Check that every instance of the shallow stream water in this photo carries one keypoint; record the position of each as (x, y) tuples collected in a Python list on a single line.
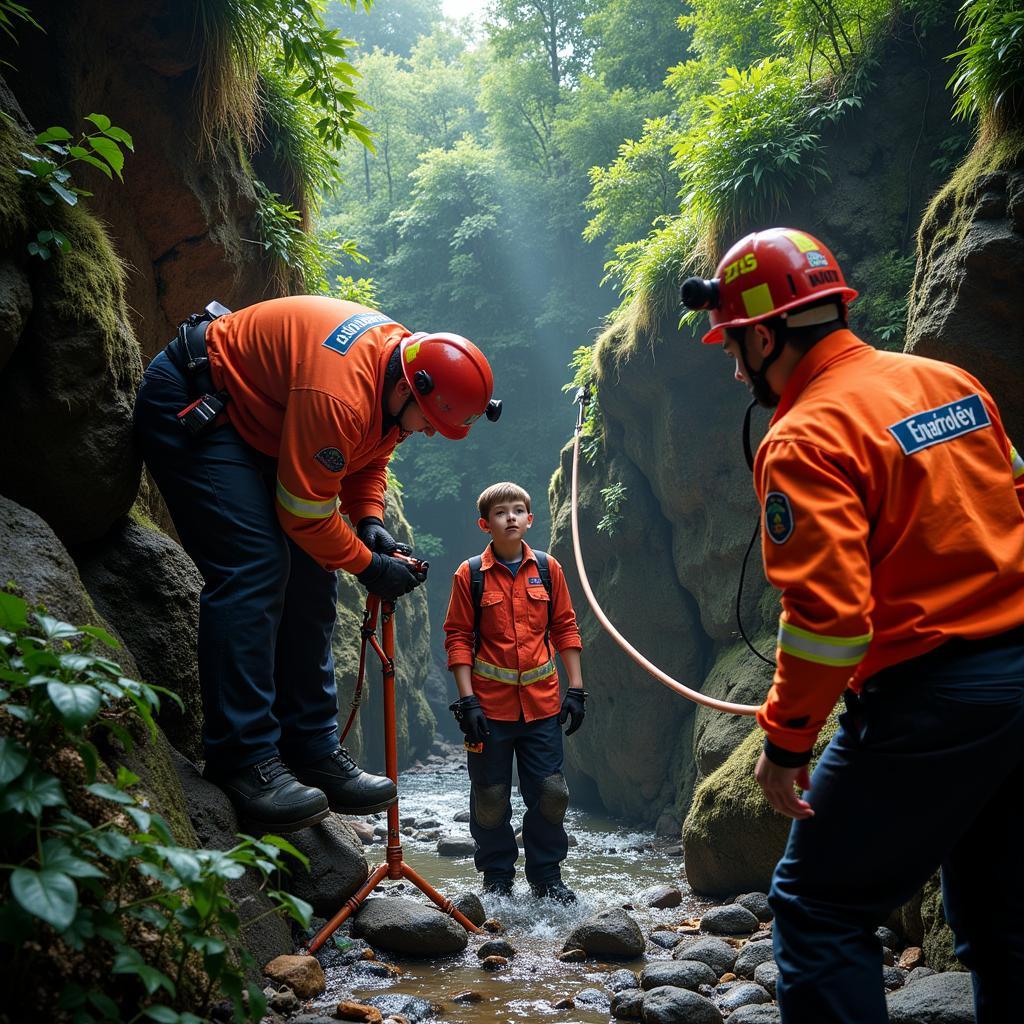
[(608, 867)]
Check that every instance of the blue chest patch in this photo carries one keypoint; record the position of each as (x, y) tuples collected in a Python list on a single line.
[(778, 517), (933, 426), (341, 338), (534, 581)]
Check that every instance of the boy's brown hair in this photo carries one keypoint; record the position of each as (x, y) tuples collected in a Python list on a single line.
[(498, 493)]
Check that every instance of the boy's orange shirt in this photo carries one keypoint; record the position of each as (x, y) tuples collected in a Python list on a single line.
[(514, 672)]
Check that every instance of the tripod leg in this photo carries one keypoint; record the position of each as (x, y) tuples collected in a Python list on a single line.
[(350, 907), (446, 905)]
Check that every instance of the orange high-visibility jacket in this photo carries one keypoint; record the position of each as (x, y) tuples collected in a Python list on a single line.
[(892, 523), (514, 672), (305, 376)]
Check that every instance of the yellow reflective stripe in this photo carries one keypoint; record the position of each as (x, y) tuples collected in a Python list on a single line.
[(1017, 463), (486, 670), (838, 651), (305, 509), (540, 672), (495, 672)]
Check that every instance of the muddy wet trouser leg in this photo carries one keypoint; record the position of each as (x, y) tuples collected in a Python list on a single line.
[(220, 493), (543, 788), (490, 804), (925, 770)]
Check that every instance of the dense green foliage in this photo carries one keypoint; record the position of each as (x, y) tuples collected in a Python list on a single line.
[(50, 171), (97, 897), (989, 79)]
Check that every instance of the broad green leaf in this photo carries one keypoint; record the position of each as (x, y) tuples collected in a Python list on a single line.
[(141, 818), (109, 150), (96, 631), (90, 758), (69, 197), (120, 135), (105, 1005), (183, 862), (49, 895), (108, 792), (125, 777), (54, 629), (13, 612), (297, 908), (111, 844), (283, 844), (58, 856), (13, 758), (31, 792), (100, 120), (77, 703)]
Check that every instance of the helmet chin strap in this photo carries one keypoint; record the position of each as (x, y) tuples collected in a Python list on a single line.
[(764, 394)]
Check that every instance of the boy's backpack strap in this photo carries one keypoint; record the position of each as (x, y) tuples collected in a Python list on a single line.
[(544, 569), (476, 591)]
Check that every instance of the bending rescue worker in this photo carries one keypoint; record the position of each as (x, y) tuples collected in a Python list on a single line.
[(893, 527), (262, 428)]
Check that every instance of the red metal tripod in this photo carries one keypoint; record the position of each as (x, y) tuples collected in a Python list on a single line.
[(393, 867)]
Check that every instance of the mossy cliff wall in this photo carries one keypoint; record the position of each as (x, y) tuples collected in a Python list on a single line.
[(671, 415)]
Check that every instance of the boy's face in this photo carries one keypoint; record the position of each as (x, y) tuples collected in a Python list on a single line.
[(508, 520)]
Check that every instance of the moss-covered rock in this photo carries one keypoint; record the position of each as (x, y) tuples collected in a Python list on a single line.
[(732, 837), (965, 304)]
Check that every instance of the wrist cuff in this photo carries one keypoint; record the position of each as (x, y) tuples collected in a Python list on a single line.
[(785, 758)]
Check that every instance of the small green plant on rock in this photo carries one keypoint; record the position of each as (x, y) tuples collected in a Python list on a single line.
[(614, 497), (50, 171), (102, 912)]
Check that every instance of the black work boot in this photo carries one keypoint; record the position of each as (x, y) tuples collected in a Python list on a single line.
[(268, 797), (557, 891), (349, 789), (497, 885)]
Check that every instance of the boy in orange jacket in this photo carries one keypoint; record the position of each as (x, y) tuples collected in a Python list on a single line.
[(509, 611)]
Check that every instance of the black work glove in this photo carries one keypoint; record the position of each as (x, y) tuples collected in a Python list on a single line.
[(573, 709), (372, 533), (389, 577), (471, 718)]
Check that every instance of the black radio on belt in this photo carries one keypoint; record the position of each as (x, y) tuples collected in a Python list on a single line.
[(189, 348), (199, 416)]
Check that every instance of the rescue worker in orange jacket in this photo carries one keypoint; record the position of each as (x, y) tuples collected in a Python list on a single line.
[(893, 527), (501, 642), (264, 430)]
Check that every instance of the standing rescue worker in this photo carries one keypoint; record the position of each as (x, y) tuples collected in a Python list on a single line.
[(262, 429), (893, 526)]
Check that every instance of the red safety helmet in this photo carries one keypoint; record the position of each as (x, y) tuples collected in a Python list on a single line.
[(766, 274), (451, 381)]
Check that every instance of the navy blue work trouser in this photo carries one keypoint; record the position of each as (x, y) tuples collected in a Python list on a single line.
[(267, 609), (926, 770), (537, 747)]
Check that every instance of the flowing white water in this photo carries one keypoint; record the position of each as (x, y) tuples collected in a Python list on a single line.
[(608, 867)]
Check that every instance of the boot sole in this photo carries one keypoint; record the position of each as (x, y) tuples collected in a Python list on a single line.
[(368, 808), (286, 827)]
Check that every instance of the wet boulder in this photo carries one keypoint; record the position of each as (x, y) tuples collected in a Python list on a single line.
[(405, 926), (741, 993), (302, 974), (716, 953), (628, 1004), (468, 904), (940, 999), (608, 933), (619, 981), (661, 897), (337, 866), (757, 904), (766, 975), (689, 974), (751, 956), (669, 1005), (729, 920), (144, 581), (456, 846), (756, 1014)]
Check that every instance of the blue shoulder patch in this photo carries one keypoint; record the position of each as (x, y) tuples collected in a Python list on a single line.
[(943, 423), (341, 338), (778, 517)]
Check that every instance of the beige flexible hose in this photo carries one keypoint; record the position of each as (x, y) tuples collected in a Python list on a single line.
[(662, 677)]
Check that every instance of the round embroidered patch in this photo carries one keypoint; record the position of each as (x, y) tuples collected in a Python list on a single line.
[(778, 517), (331, 459)]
